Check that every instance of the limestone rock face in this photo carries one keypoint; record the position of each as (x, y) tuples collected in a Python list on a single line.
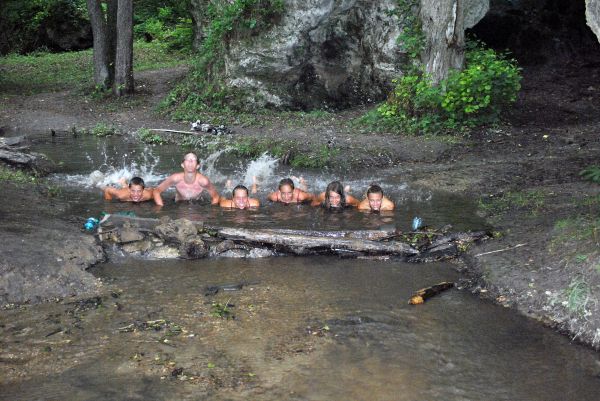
[(321, 53), (592, 16)]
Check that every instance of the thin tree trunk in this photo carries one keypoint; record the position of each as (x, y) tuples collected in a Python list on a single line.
[(111, 35), (123, 83), (102, 75), (443, 25)]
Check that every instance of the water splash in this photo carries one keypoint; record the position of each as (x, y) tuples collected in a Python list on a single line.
[(110, 171), (262, 168), (209, 165)]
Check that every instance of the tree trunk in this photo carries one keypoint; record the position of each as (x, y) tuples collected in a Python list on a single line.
[(111, 35), (102, 67), (123, 83), (444, 29)]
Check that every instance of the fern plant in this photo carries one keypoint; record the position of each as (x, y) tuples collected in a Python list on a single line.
[(591, 173)]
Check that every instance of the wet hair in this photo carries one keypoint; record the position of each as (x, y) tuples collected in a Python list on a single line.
[(137, 181), (239, 187), (191, 153), (338, 188), (374, 189), (286, 181)]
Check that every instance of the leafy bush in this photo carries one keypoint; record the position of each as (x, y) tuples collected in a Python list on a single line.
[(149, 137), (476, 95), (591, 173), (169, 25)]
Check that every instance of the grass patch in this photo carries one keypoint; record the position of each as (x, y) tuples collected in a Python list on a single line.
[(16, 176), (533, 200), (150, 137), (578, 296), (41, 72)]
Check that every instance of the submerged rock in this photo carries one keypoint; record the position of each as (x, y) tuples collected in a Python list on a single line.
[(177, 231)]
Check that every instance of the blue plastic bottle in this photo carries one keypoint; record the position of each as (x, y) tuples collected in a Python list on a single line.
[(416, 223)]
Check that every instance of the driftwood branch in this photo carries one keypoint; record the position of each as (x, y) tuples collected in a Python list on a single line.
[(425, 293), (173, 130), (501, 250)]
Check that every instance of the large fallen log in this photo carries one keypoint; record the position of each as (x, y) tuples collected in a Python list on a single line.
[(185, 235), (303, 243)]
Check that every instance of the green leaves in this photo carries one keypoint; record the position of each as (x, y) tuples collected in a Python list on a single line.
[(591, 173), (476, 95)]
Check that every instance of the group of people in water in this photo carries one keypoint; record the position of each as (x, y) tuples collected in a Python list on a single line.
[(190, 184)]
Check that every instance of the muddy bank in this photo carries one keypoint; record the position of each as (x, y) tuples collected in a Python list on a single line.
[(43, 257)]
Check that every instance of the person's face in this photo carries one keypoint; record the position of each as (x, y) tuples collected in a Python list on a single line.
[(335, 199), (136, 192), (190, 163), (240, 198), (375, 201), (287, 193)]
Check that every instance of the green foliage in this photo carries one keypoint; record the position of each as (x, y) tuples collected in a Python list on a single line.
[(591, 173), (16, 176), (149, 137), (169, 25), (578, 295), (24, 22), (412, 38), (39, 72), (102, 130), (468, 98), (533, 200), (222, 310), (204, 89)]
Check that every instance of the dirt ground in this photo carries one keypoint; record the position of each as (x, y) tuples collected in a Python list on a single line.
[(526, 172)]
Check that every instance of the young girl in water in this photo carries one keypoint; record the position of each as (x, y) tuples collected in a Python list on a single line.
[(287, 193), (334, 197)]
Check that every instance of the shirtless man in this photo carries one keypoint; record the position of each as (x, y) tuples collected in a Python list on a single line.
[(375, 200), (239, 199), (189, 184), (287, 193), (335, 196), (135, 191)]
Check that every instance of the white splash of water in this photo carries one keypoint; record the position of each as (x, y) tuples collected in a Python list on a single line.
[(261, 168), (208, 166), (109, 173)]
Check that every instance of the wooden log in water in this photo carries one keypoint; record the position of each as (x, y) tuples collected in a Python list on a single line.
[(298, 242), (425, 293)]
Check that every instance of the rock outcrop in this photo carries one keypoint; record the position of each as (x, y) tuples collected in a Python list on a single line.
[(323, 53)]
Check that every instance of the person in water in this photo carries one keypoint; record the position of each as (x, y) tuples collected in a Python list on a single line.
[(335, 197), (287, 193), (239, 199), (189, 184), (135, 191), (375, 200)]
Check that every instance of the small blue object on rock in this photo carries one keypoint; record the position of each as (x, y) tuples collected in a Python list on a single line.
[(416, 223), (91, 223)]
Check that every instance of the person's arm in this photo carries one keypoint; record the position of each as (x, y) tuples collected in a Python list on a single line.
[(364, 205), (387, 204), (224, 202), (148, 194), (318, 199), (109, 192), (253, 202), (272, 197), (212, 191), (352, 201), (163, 186), (304, 196)]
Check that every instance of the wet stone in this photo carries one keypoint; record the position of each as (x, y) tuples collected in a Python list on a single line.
[(194, 248), (177, 231), (127, 235), (164, 252), (137, 247)]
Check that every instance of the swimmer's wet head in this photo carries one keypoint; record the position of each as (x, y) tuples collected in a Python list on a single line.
[(136, 189), (190, 162), (334, 195), (375, 197), (239, 196), (286, 190)]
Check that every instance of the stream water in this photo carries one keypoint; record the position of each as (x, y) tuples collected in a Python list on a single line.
[(305, 328)]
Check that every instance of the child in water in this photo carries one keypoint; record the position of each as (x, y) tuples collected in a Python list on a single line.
[(335, 197), (286, 193), (135, 191)]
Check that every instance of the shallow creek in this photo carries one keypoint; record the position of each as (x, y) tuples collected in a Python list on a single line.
[(298, 328)]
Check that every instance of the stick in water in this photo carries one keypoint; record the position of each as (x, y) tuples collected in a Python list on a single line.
[(426, 293)]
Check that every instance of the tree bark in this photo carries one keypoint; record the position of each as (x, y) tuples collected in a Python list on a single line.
[(444, 29), (102, 73), (123, 83), (111, 35)]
